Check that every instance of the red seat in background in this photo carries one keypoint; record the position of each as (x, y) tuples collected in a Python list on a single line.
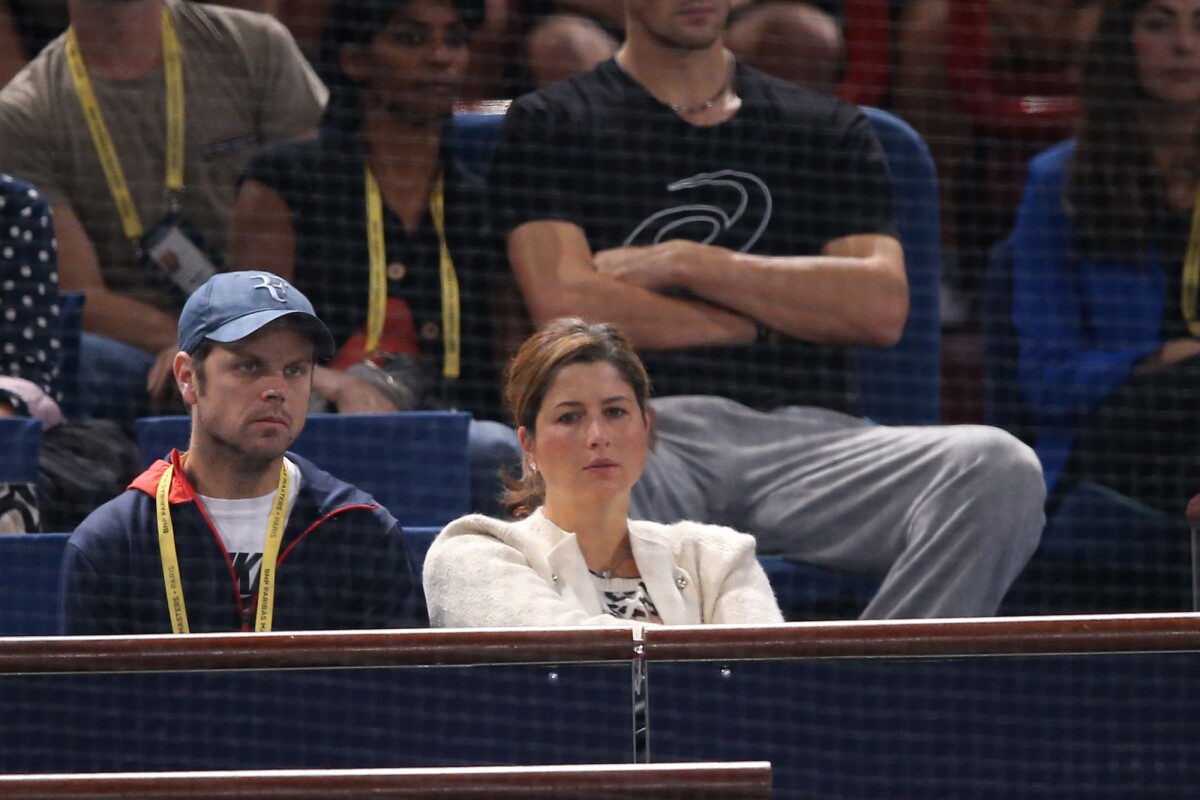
[(866, 28), (1037, 106)]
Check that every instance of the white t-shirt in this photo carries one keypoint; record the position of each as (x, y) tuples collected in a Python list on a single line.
[(242, 525)]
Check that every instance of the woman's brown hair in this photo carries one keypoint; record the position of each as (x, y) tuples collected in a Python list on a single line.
[(1113, 190), (558, 344)]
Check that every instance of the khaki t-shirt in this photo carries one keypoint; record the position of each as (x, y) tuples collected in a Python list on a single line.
[(245, 85)]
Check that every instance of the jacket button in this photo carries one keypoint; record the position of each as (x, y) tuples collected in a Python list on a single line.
[(554, 579), (681, 581)]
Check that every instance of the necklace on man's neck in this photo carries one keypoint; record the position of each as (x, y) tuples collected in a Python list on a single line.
[(678, 108), (710, 102)]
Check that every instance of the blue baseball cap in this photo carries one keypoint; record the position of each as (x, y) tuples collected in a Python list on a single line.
[(232, 305)]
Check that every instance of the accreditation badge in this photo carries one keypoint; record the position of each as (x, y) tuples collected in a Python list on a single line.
[(175, 250)]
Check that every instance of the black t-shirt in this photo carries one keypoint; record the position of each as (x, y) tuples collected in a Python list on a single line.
[(322, 182), (1173, 230), (790, 172)]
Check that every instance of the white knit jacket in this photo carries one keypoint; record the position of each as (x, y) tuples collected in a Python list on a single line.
[(483, 572)]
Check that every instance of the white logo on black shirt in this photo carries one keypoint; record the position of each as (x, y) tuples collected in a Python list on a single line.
[(747, 189), (245, 565)]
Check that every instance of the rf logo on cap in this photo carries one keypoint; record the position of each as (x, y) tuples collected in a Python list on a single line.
[(275, 285)]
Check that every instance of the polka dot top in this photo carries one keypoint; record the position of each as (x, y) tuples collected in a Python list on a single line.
[(29, 311)]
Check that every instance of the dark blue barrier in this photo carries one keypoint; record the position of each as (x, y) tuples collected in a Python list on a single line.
[(315, 719), (1116, 726), (277, 717), (889, 711)]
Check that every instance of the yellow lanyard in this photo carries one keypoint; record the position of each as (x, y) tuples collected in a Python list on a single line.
[(377, 288), (1191, 271), (102, 139), (266, 570)]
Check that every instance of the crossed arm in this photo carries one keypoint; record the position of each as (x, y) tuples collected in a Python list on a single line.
[(854, 292)]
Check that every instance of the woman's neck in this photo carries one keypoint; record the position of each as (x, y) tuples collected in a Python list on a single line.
[(602, 531), (405, 157), (1171, 137), (1171, 140)]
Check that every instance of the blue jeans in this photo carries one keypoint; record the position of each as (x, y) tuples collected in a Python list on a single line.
[(112, 380), (493, 450)]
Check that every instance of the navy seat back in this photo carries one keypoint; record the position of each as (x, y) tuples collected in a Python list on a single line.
[(413, 463), (70, 335), (472, 135), (1003, 403), (900, 384), (29, 583), (20, 447), (20, 444)]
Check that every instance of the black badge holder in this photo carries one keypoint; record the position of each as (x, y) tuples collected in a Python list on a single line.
[(175, 251)]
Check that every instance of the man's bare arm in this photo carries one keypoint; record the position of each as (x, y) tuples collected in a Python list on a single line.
[(554, 268), (855, 292), (108, 314), (262, 235)]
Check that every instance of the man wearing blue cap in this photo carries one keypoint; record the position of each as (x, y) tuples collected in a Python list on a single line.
[(184, 549)]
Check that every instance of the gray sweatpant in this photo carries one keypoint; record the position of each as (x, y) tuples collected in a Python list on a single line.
[(947, 515)]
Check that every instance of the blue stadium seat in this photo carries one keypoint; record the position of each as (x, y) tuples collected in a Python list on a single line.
[(472, 135), (419, 540), (20, 444), (901, 384), (1101, 551), (29, 583), (70, 334), (413, 463)]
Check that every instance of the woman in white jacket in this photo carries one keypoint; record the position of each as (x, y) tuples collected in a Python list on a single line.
[(579, 397)]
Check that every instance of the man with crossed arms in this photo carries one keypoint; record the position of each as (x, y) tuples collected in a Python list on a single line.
[(740, 229)]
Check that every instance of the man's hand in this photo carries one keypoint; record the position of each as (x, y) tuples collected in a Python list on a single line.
[(654, 267), (351, 395), (160, 381), (1171, 352)]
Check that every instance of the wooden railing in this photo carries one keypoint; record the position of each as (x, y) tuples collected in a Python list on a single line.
[(1008, 636), (392, 648), (446, 647), (712, 781)]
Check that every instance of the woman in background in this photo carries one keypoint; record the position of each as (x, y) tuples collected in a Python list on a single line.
[(579, 398), (1107, 265), (412, 299)]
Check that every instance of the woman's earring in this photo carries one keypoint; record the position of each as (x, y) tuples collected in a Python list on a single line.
[(533, 466)]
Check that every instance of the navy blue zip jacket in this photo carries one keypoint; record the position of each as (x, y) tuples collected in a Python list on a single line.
[(343, 564)]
